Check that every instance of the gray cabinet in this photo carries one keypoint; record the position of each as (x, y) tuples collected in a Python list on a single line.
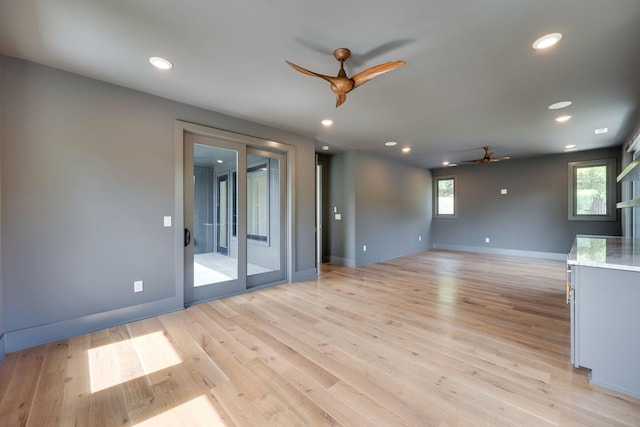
[(606, 326), (605, 317)]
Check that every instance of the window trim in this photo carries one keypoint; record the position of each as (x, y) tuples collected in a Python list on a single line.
[(436, 213), (612, 213)]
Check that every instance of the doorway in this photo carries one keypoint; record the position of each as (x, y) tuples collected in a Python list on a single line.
[(235, 220)]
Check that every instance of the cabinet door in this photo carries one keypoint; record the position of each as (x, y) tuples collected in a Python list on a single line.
[(607, 326)]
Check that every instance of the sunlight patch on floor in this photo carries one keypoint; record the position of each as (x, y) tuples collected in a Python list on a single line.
[(196, 412), (119, 362)]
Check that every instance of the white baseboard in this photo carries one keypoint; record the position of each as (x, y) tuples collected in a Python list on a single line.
[(41, 334), (498, 251)]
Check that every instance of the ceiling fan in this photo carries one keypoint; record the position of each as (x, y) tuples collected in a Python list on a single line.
[(488, 157), (341, 84)]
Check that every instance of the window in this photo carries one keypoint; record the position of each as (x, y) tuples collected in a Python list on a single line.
[(592, 190), (258, 203), (445, 197)]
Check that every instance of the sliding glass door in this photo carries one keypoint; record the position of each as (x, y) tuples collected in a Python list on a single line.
[(234, 215)]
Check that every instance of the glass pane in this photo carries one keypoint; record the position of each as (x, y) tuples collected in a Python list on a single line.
[(263, 214), (591, 190), (258, 203), (223, 206), (215, 251), (446, 192)]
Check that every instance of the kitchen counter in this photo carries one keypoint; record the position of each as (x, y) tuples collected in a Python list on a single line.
[(618, 253), (603, 288)]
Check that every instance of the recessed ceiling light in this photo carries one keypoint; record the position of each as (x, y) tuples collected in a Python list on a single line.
[(406, 149), (160, 63), (325, 147), (220, 161), (390, 143), (547, 41), (559, 105), (327, 122), (601, 131), (562, 119), (570, 146), (445, 163)]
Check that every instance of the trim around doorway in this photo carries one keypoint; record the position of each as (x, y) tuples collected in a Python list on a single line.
[(182, 128)]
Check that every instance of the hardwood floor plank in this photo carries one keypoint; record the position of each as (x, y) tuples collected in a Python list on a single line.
[(47, 407), (26, 367), (77, 383)]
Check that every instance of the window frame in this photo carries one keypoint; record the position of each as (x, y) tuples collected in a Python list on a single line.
[(612, 213), (436, 188), (263, 165)]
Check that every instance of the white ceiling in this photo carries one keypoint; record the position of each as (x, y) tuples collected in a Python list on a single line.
[(471, 77)]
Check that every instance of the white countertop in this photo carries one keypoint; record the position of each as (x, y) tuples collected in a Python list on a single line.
[(619, 253)]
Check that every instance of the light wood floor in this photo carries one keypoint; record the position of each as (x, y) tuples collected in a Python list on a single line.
[(438, 338)]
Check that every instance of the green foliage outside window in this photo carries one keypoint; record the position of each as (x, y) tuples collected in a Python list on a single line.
[(446, 194), (591, 190)]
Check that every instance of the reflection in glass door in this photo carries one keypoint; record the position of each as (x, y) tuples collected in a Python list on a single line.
[(265, 217), (222, 211), (214, 258)]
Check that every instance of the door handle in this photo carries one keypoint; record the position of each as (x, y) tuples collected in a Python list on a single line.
[(187, 237)]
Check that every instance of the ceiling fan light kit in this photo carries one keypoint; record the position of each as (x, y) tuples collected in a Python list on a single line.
[(342, 84)]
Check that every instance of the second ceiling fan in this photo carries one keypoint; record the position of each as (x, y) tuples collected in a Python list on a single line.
[(341, 84), (488, 157)]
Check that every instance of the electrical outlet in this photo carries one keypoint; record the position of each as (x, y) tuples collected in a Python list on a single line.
[(167, 221), (503, 191), (487, 240), (138, 286), (364, 248)]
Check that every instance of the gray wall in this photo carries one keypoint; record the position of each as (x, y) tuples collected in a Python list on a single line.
[(87, 176), (531, 218), (386, 205)]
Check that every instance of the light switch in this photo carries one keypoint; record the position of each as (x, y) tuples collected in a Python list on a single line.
[(138, 286), (503, 191), (335, 209), (167, 221), (338, 217)]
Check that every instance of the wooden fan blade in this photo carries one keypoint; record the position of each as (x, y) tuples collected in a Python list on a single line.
[(499, 159), (307, 72), (340, 98), (366, 75)]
